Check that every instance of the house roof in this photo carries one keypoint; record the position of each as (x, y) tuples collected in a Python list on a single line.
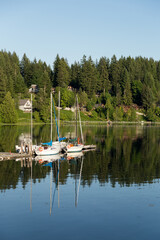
[(34, 86), (22, 101)]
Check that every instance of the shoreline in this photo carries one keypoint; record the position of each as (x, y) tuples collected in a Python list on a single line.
[(108, 123)]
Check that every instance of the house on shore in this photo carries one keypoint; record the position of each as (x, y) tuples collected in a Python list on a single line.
[(33, 88), (25, 105)]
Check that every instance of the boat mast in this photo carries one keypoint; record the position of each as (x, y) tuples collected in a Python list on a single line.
[(59, 111), (31, 124), (51, 115), (80, 123), (55, 119), (76, 117)]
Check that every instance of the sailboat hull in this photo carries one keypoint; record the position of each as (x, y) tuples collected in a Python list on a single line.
[(45, 152), (73, 149)]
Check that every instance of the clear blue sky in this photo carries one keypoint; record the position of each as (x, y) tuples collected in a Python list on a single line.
[(72, 28)]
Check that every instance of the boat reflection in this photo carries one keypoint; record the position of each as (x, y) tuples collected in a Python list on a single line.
[(58, 167), (81, 157), (49, 158), (53, 158), (27, 163), (74, 156), (54, 162)]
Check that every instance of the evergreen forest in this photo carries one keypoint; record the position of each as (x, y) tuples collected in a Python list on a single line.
[(125, 89)]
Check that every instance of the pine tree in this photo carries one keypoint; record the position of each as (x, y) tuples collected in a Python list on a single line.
[(3, 81), (26, 70), (7, 110), (75, 75), (88, 76), (46, 82), (158, 71), (61, 72), (127, 97), (147, 97), (16, 82), (114, 75), (103, 83), (150, 82), (55, 70), (118, 95), (108, 105)]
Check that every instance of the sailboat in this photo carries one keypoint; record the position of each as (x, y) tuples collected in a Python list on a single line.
[(58, 144), (77, 147), (74, 148), (49, 148), (46, 150), (52, 148)]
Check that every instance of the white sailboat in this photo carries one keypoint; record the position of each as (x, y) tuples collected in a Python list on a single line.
[(77, 147), (52, 148), (58, 144), (74, 148), (48, 148)]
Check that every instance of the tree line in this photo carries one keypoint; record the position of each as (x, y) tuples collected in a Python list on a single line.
[(108, 84)]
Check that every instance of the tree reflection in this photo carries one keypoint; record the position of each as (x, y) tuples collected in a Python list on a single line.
[(125, 155)]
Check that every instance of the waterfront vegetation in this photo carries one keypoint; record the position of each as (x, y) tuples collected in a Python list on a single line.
[(125, 89)]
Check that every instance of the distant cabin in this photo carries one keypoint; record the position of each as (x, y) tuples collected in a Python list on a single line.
[(53, 90), (70, 88), (25, 105), (33, 88)]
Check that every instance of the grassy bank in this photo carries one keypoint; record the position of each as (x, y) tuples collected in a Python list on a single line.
[(87, 118)]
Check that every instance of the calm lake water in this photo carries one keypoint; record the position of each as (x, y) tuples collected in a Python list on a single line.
[(110, 193)]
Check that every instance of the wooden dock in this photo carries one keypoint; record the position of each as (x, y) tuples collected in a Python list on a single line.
[(89, 147), (11, 156)]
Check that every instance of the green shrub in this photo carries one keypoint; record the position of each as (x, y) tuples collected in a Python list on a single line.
[(36, 116)]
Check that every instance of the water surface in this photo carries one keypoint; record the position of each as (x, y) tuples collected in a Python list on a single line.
[(110, 193)]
